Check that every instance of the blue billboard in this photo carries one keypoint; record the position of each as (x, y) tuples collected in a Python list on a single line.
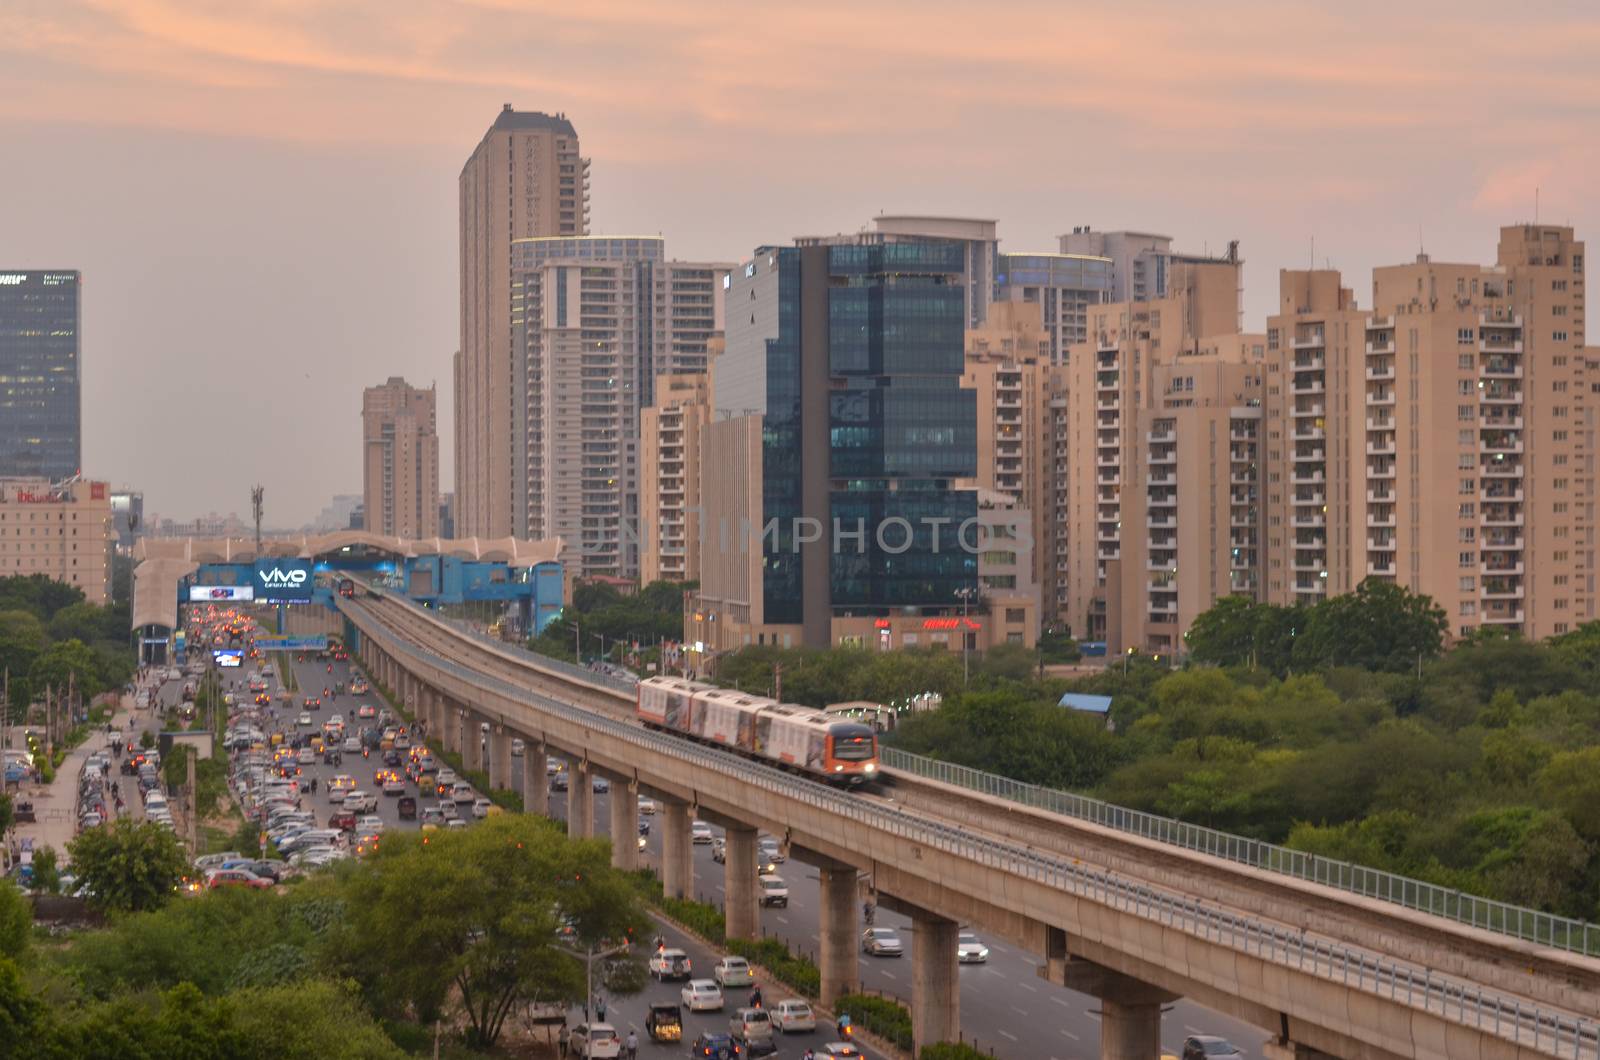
[(283, 581)]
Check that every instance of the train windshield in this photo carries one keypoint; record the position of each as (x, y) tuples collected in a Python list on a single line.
[(854, 743)]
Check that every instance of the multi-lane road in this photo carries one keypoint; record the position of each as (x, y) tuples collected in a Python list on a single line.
[(1005, 1007)]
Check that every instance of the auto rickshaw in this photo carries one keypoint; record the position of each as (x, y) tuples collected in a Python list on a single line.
[(664, 1023)]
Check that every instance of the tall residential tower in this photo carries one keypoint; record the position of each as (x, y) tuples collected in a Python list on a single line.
[(400, 460)]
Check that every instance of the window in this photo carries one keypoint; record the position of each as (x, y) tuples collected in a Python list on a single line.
[(1559, 386), (1560, 460), (1469, 608), (1558, 310), (1561, 627), (1467, 535), (1561, 603), (1464, 362), (1467, 559), (1466, 460), (1466, 438), (1559, 436), (1463, 412), (1466, 511), (1558, 285), (1464, 387), (1561, 579), (1559, 336), (1560, 507), (1465, 336), (1469, 584), (1468, 486)]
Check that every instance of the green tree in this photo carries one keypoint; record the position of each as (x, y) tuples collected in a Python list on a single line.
[(22, 641), (67, 662), (1571, 784), (46, 871), (1380, 626), (128, 867), (308, 1018), (36, 593), (21, 1014), (484, 904), (16, 920)]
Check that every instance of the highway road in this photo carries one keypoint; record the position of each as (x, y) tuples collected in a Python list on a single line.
[(1004, 1005)]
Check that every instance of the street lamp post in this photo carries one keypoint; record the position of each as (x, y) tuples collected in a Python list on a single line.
[(966, 593)]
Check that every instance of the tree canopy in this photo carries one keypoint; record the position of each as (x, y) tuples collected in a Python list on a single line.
[(128, 867)]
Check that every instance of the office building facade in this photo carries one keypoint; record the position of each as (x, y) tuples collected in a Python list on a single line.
[(1063, 286), (525, 179), (400, 460), (41, 402), (851, 355), (63, 530)]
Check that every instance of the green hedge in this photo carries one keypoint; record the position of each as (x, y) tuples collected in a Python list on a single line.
[(951, 1051), (699, 917), (771, 954), (887, 1019)]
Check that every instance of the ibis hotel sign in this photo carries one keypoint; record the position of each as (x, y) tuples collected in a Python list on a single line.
[(285, 580)]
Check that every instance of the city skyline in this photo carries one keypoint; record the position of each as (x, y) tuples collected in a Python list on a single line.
[(348, 210)]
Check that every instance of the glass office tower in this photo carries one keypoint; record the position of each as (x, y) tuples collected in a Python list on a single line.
[(41, 422)]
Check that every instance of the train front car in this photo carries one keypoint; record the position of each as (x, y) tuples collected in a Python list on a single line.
[(852, 753)]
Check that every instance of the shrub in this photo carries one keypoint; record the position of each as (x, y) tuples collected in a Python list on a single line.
[(951, 1051), (888, 1019), (702, 918), (796, 971)]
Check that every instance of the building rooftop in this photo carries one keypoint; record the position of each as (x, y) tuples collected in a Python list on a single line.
[(509, 119)]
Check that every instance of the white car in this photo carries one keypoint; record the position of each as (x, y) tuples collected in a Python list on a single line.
[(596, 1040), (359, 801), (882, 942), (369, 824), (774, 891), (793, 1016), (462, 793), (733, 971), (969, 950), (647, 805), (306, 757), (304, 720), (701, 832), (480, 807), (702, 995), (670, 964)]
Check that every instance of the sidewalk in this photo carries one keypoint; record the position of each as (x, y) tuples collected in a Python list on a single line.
[(55, 804)]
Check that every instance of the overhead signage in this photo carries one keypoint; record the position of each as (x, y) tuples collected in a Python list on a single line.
[(283, 581), (228, 657), (204, 594), (950, 623), (277, 642)]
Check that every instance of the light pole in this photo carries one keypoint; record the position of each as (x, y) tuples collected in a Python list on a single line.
[(966, 592)]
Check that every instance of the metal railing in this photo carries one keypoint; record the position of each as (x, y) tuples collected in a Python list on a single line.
[(1486, 914), (1510, 1018)]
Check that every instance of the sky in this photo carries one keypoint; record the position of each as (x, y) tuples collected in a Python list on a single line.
[(262, 193)]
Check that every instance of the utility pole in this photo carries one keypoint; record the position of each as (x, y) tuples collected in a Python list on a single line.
[(193, 803), (777, 681)]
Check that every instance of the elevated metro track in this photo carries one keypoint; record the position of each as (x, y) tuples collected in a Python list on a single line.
[(1133, 921)]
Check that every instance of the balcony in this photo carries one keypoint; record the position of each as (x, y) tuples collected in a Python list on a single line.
[(1380, 570), (1308, 361), (1106, 537), (1381, 396), (1380, 521), (1308, 386), (1108, 460), (1168, 456), (1301, 411), (1106, 381), (1242, 518), (1167, 435), (1499, 318), (1503, 569), (1241, 477), (1312, 496), (1309, 340), (1503, 617), (1242, 582), (1309, 434), (1503, 492), (1384, 447), (1380, 373), (1379, 323), (1311, 519), (1500, 395), (1498, 368), (1240, 433), (1313, 451), (1108, 401), (1502, 542), (1383, 469), (1307, 477), (1381, 347), (1502, 589), (1109, 552), (1157, 586), (1381, 496), (1164, 607), (1109, 478), (1496, 442), (1160, 521), (1162, 477), (1490, 517), (1311, 564), (1500, 422), (1106, 344), (1381, 541), (1382, 421)]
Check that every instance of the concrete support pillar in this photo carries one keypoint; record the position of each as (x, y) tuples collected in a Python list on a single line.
[(449, 725), (935, 997), (839, 957), (535, 788), (677, 849), (624, 806), (1130, 1030), (471, 741), (580, 802), (499, 757), (739, 884)]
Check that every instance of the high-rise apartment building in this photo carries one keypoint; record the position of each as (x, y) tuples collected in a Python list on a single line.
[(400, 460), (127, 515), (1458, 436), (1063, 286), (525, 179), (63, 530), (1142, 263), (830, 509), (1110, 379), (596, 319), (671, 434), (41, 404)]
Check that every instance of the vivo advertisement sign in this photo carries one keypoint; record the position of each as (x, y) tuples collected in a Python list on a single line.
[(283, 581)]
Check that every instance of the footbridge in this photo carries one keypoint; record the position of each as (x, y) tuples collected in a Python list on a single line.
[(1134, 920)]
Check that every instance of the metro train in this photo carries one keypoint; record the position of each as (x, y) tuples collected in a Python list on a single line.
[(810, 741)]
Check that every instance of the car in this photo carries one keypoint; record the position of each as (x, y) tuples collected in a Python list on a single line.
[(447, 777), (455, 822), (774, 892), (595, 1040), (881, 942), (647, 806), (351, 745), (480, 807), (719, 850), (1209, 1047), (304, 720), (732, 971), (369, 824), (366, 710), (343, 820), (394, 786), (701, 832), (970, 950), (838, 1049), (750, 1024), (717, 1047), (312, 702), (236, 878), (360, 801), (667, 964), (432, 816), (600, 786), (461, 792), (558, 782), (448, 808), (793, 1016), (702, 995), (769, 849), (306, 757), (553, 765)]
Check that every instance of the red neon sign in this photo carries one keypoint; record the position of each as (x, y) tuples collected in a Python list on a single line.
[(949, 623)]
